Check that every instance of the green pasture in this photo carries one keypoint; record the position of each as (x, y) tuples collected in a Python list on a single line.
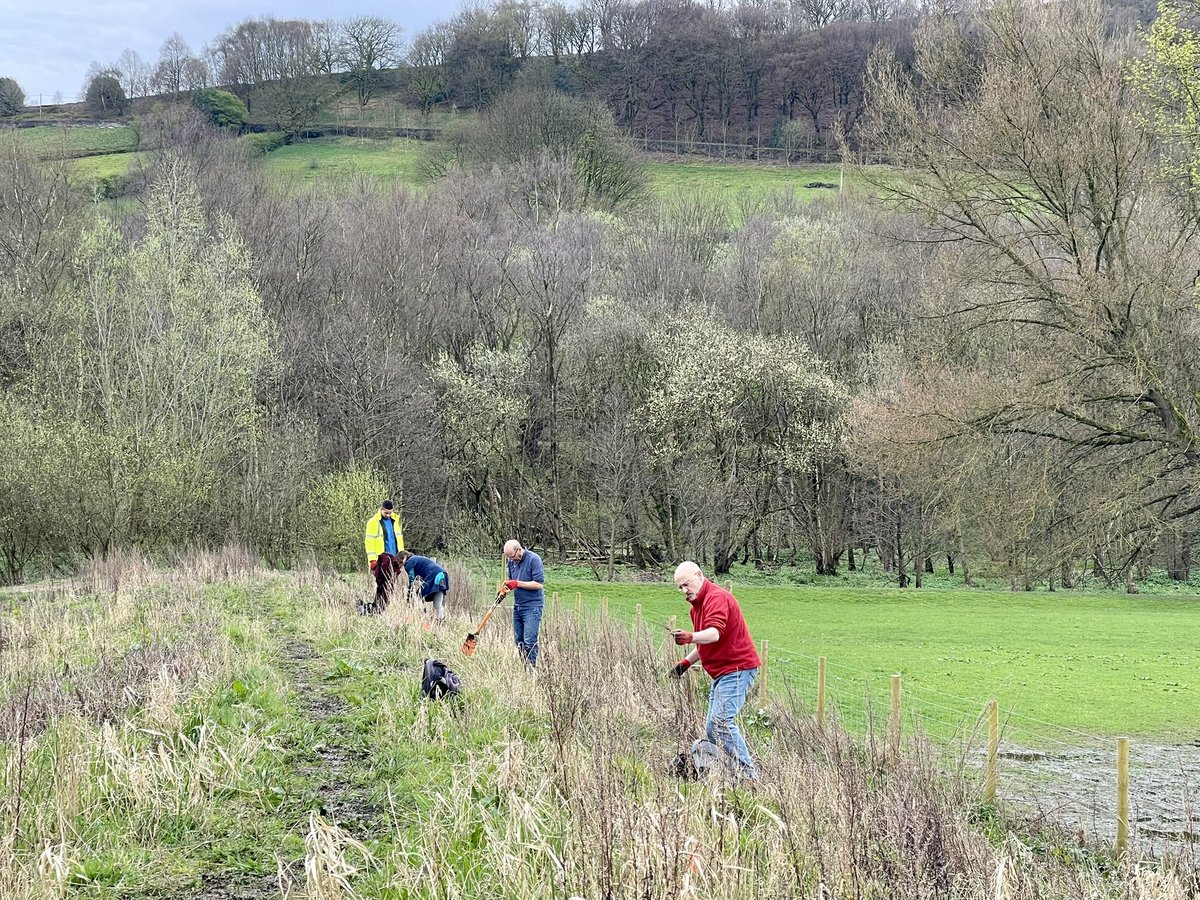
[(340, 159), (334, 159), (754, 180), (53, 142), (111, 165), (1063, 667)]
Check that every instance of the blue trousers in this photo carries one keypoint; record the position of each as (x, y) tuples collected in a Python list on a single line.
[(527, 619), (726, 700)]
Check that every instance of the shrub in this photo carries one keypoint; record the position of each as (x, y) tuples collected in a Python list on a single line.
[(266, 142), (224, 109), (333, 511), (12, 98)]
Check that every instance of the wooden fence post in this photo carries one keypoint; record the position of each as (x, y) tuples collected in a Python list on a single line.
[(993, 752), (604, 606), (553, 608), (820, 692), (762, 673), (578, 604), (637, 625), (1122, 795), (894, 725)]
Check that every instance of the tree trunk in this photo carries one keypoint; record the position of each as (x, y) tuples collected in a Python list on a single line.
[(1067, 575), (928, 565), (850, 563), (901, 564), (887, 561), (950, 563), (919, 553)]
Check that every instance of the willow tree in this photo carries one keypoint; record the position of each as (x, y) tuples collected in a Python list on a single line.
[(732, 417), (1071, 261), (158, 353)]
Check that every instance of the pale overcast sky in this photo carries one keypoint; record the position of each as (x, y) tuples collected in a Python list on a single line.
[(47, 46)]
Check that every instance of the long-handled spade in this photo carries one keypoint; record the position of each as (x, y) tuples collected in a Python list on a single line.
[(468, 647)]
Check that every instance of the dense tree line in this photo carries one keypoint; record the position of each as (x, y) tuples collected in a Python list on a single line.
[(996, 365)]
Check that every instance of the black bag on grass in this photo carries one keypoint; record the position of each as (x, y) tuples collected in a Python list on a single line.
[(695, 765), (438, 680)]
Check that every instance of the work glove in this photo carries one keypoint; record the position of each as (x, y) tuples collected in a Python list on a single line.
[(682, 637), (680, 667), (439, 580), (511, 584), (372, 564)]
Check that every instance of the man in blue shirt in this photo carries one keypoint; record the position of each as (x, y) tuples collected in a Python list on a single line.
[(525, 580)]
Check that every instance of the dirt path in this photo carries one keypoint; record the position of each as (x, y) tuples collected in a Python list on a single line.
[(342, 803)]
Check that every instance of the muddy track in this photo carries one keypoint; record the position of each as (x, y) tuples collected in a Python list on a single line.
[(338, 751)]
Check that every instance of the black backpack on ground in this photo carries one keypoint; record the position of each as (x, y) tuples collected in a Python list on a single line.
[(438, 680), (701, 759)]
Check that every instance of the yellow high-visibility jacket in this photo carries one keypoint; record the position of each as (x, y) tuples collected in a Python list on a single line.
[(373, 537)]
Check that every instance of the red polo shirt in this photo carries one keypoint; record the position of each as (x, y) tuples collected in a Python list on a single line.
[(715, 607)]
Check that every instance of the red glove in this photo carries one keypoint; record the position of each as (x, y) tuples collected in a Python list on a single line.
[(511, 584), (683, 637), (372, 564), (680, 667)]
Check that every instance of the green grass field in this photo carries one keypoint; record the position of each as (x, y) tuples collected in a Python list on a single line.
[(340, 159), (92, 168), (755, 180), (336, 159), (1058, 664), (51, 142)]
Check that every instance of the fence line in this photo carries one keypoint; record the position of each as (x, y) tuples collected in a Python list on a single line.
[(963, 717)]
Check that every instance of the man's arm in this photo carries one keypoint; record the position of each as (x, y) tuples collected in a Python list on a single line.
[(703, 636)]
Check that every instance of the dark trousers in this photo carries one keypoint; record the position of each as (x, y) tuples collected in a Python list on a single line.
[(387, 570)]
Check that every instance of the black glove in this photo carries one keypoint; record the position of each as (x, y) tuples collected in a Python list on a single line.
[(680, 667)]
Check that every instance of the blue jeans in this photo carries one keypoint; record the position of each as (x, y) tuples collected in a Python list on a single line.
[(726, 700), (527, 619)]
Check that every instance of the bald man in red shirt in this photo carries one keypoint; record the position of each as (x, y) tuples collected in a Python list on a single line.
[(724, 647)]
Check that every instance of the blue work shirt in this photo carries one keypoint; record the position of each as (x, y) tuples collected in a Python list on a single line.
[(389, 535), (428, 571), (529, 568)]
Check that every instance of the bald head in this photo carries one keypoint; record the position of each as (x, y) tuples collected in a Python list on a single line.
[(513, 549), (689, 579)]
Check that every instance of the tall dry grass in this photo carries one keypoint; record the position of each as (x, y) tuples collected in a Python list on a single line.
[(575, 799), (546, 784), (94, 679)]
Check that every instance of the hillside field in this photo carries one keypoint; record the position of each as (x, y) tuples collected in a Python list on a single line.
[(111, 152), (50, 142)]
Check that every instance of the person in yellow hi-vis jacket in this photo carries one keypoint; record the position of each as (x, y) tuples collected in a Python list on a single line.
[(383, 541)]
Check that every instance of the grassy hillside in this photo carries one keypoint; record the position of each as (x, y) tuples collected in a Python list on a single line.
[(223, 732), (755, 180), (337, 159), (50, 142)]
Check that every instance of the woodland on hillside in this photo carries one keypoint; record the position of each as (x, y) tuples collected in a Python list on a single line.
[(990, 361)]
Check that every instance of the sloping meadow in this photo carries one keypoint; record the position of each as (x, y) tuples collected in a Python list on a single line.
[(165, 733)]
